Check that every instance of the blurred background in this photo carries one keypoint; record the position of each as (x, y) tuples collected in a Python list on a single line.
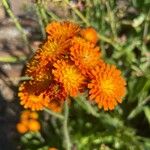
[(124, 29)]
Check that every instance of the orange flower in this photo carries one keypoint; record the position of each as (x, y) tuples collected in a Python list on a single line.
[(38, 70), (57, 95), (41, 75), (21, 128), (51, 50), (107, 87), (62, 30), (34, 125), (89, 34), (84, 55), (69, 76), (61, 67), (30, 98)]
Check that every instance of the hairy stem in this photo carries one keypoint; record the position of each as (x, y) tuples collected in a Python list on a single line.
[(38, 8), (111, 19), (56, 115), (65, 127)]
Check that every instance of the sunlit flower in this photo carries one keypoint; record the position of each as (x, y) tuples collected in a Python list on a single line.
[(69, 76), (51, 50), (84, 55), (63, 66), (38, 71), (30, 98), (107, 87), (89, 34), (62, 30)]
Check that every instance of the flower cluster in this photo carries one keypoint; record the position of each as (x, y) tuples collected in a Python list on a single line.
[(67, 63), (28, 122)]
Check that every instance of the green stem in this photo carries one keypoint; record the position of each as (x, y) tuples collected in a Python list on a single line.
[(12, 59), (23, 78), (139, 108), (111, 19), (146, 25), (40, 18), (44, 15), (17, 24), (53, 16), (65, 126), (78, 13), (83, 102), (57, 115)]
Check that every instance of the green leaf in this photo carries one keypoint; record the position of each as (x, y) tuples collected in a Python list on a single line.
[(135, 112), (147, 113)]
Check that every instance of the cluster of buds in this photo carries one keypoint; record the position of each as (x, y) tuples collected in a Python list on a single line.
[(28, 122)]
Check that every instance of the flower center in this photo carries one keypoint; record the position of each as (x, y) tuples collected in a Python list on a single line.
[(107, 86), (70, 74)]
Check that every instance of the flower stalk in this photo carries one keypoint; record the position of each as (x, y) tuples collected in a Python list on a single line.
[(65, 127), (38, 9), (52, 113)]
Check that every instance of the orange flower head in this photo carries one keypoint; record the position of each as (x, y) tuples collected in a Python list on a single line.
[(57, 95), (21, 128), (84, 55), (89, 34), (52, 49), (62, 30), (30, 98), (107, 87), (34, 125), (69, 76), (38, 70)]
